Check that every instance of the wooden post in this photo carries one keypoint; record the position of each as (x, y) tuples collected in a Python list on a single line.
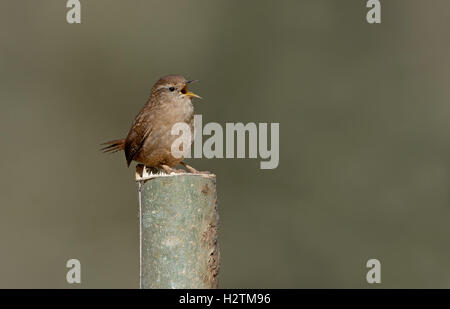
[(178, 222)]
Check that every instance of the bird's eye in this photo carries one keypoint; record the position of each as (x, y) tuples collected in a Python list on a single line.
[(172, 88)]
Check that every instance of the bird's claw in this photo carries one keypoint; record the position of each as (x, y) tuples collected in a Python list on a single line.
[(193, 170)]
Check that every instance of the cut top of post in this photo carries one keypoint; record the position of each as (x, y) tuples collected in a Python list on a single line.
[(144, 173)]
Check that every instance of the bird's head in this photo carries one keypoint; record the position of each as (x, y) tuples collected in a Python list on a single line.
[(174, 87)]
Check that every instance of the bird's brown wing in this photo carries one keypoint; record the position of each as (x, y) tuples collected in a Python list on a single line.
[(139, 132)]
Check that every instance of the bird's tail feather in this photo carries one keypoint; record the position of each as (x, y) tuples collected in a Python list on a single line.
[(114, 146)]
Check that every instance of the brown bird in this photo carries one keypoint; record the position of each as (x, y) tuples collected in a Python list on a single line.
[(150, 140)]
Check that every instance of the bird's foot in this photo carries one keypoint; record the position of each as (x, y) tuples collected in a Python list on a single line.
[(151, 169), (193, 170), (170, 170), (144, 171)]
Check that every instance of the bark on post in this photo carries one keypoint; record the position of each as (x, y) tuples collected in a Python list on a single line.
[(178, 222)]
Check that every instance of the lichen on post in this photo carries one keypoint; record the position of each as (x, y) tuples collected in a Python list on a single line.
[(178, 222)]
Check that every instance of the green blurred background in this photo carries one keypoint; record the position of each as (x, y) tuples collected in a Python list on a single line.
[(364, 137)]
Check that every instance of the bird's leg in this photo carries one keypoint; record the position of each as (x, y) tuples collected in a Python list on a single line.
[(151, 169), (190, 168), (169, 169), (193, 170), (145, 171), (140, 171)]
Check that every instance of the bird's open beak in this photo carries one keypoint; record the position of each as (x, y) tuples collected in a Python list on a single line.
[(191, 94), (186, 92)]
